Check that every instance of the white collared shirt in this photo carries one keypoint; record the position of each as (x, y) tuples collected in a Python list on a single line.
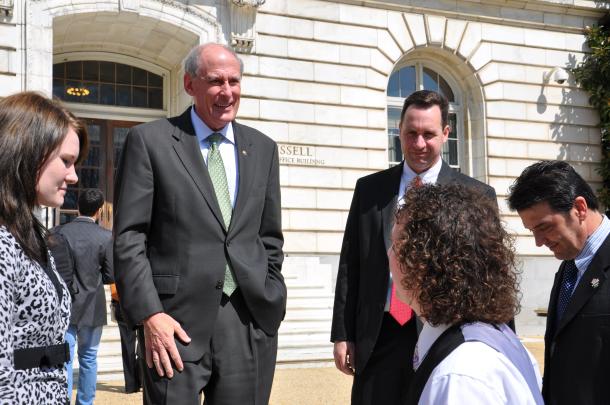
[(227, 148), (430, 176), (473, 374)]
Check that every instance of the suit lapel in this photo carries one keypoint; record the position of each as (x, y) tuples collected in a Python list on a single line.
[(246, 165), (387, 202), (446, 175), (552, 309), (186, 146), (586, 286)]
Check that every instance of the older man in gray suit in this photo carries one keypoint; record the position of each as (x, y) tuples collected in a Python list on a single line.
[(198, 244)]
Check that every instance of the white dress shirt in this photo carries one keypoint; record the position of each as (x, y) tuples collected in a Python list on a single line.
[(428, 177), (473, 374), (227, 148)]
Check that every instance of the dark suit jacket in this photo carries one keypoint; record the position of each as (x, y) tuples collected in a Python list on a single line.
[(91, 249), (363, 277), (171, 244), (577, 352)]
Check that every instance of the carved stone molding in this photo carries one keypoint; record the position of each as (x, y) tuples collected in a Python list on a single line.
[(251, 3), (6, 7), (243, 21)]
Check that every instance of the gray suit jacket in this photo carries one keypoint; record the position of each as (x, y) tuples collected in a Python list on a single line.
[(363, 277), (91, 248), (171, 243)]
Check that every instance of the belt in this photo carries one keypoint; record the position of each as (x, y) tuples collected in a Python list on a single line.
[(44, 356)]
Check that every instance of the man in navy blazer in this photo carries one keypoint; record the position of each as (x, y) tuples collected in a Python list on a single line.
[(368, 342), (562, 212), (175, 246)]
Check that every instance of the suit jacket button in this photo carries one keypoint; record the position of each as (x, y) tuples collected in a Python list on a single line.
[(219, 284)]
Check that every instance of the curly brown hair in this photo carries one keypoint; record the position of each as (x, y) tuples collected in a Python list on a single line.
[(456, 256)]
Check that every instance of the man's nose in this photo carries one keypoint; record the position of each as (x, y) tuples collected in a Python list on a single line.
[(539, 239), (419, 142), (226, 87)]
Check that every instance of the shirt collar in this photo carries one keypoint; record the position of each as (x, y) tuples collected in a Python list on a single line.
[(426, 339), (203, 131), (592, 245), (86, 218), (428, 177)]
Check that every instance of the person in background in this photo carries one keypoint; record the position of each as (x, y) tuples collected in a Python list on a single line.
[(562, 212), (91, 250), (129, 354), (374, 334), (453, 263), (40, 144)]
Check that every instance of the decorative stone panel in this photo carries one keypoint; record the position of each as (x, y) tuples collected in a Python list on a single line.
[(243, 21), (6, 7)]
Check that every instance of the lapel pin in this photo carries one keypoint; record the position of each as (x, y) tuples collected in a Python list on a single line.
[(243, 152), (595, 283)]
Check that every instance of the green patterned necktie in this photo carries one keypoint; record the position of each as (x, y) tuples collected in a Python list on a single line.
[(216, 168)]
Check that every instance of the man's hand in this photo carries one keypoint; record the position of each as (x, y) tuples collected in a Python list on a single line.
[(345, 357), (159, 330)]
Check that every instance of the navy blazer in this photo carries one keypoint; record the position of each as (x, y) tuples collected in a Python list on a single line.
[(577, 352)]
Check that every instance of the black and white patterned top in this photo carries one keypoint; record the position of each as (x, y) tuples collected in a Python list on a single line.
[(31, 315)]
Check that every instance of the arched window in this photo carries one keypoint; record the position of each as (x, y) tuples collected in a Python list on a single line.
[(107, 83), (97, 92), (404, 81)]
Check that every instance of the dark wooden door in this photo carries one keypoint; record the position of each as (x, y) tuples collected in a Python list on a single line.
[(106, 139)]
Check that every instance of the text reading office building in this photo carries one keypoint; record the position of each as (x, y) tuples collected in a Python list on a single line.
[(326, 80)]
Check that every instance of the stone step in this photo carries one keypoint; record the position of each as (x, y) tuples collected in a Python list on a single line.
[(295, 326), (307, 314), (308, 302), (303, 339), (304, 355)]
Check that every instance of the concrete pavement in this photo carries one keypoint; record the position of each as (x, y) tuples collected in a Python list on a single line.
[(322, 385)]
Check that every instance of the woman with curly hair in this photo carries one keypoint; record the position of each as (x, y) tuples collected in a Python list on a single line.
[(40, 142), (455, 266)]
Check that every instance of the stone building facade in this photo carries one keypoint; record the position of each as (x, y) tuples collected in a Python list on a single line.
[(324, 79)]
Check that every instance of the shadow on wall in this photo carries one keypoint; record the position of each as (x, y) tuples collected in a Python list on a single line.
[(572, 125)]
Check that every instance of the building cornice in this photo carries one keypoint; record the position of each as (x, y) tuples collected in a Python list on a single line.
[(495, 11)]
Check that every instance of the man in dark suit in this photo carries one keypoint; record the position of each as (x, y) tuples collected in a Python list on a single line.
[(90, 246), (198, 244), (369, 342), (562, 212)]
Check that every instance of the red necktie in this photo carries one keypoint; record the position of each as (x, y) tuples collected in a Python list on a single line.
[(399, 310), (417, 182)]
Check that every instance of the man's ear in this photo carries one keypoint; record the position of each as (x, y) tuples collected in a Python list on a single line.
[(581, 207), (446, 132), (188, 84)]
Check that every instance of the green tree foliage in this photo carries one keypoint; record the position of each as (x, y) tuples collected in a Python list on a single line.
[(593, 75)]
